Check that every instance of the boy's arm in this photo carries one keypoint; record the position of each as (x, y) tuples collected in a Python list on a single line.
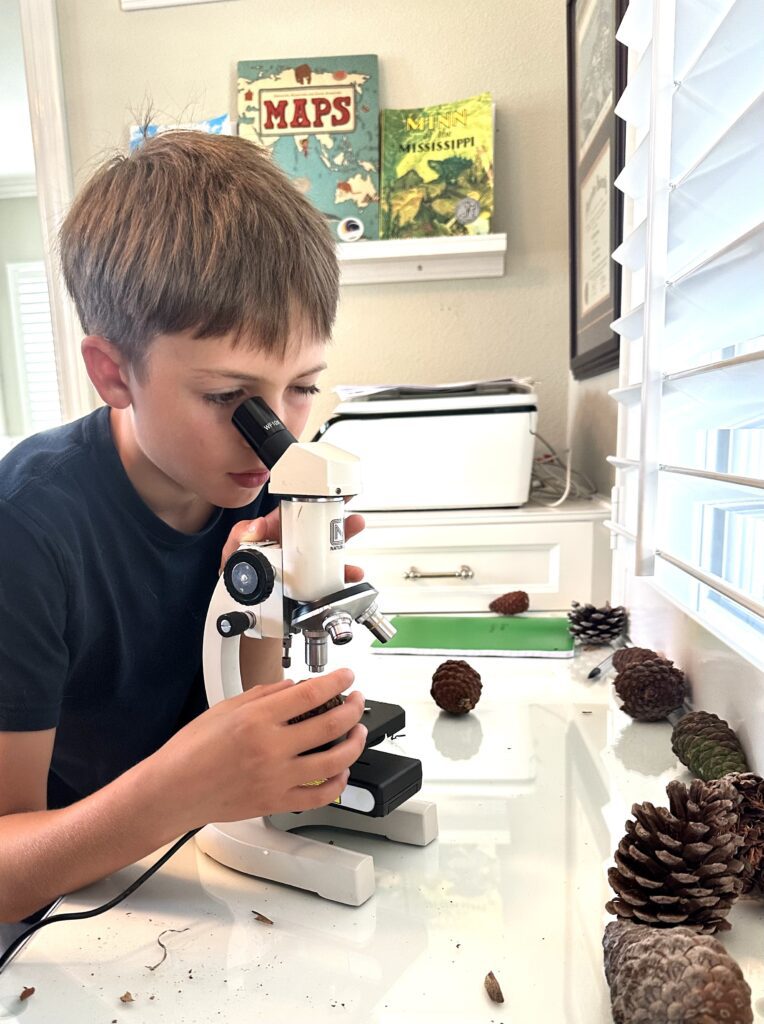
[(238, 760)]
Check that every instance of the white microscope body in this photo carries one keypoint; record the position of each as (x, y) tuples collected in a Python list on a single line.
[(298, 585)]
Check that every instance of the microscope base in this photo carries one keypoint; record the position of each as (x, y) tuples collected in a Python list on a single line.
[(265, 847)]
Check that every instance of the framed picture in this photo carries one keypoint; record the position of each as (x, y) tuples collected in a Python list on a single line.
[(596, 143)]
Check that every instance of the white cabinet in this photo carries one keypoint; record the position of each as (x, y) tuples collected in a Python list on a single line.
[(474, 555)]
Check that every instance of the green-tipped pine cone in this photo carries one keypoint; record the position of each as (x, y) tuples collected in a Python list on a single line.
[(678, 865), (590, 625), (672, 977), (650, 690), (706, 744), (751, 828)]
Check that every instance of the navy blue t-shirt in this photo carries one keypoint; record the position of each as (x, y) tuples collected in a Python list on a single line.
[(102, 606)]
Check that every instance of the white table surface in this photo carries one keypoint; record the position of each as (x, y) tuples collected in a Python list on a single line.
[(532, 789)]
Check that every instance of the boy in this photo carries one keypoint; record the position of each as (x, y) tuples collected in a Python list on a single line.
[(201, 277)]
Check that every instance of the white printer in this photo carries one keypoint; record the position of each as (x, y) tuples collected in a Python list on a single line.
[(466, 445)]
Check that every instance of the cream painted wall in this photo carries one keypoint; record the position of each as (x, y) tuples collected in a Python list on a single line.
[(594, 418), (184, 58)]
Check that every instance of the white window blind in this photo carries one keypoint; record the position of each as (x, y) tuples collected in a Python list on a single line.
[(35, 354), (690, 465)]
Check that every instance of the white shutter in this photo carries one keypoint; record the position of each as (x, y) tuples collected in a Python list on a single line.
[(690, 462), (35, 353)]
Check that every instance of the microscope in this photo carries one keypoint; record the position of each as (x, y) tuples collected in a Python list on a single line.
[(298, 586)]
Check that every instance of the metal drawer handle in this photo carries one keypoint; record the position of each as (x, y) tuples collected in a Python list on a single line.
[(463, 573)]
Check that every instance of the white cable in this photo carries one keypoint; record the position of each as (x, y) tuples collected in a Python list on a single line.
[(554, 478)]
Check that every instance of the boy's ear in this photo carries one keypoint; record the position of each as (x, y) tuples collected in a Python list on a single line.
[(107, 370)]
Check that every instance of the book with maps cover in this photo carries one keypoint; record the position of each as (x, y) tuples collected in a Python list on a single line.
[(437, 169), (319, 119)]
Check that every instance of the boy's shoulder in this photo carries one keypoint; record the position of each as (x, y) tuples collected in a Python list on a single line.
[(41, 471)]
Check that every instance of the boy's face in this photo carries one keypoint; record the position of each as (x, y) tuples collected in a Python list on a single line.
[(183, 403)]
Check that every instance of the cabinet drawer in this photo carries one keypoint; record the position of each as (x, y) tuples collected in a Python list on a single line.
[(551, 561)]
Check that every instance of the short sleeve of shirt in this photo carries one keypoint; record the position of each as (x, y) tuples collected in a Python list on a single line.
[(34, 657)]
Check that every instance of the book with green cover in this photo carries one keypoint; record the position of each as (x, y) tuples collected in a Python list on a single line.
[(318, 117), (437, 169), (514, 636)]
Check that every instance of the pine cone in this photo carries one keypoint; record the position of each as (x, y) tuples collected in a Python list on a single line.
[(751, 788), (626, 656), (456, 687), (706, 744), (513, 603), (650, 690), (590, 625), (678, 865), (672, 977), (333, 702)]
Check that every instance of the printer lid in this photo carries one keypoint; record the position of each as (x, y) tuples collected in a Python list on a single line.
[(491, 396), (459, 389)]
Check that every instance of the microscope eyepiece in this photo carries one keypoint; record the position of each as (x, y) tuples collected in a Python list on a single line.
[(263, 430)]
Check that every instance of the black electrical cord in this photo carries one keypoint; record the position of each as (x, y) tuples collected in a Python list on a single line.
[(79, 915)]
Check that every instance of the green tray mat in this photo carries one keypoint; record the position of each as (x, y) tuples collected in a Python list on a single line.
[(511, 636)]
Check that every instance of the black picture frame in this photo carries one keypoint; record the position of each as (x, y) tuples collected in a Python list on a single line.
[(596, 147)]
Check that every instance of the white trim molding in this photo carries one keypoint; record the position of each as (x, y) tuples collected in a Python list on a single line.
[(45, 87), (17, 186), (144, 5)]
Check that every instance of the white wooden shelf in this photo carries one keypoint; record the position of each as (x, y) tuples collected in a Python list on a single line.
[(422, 259)]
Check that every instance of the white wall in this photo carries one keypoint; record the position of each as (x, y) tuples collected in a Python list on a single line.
[(16, 159), (594, 420), (184, 58)]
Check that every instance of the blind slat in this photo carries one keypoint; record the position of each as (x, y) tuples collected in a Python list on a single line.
[(636, 28), (634, 105), (632, 325), (631, 252)]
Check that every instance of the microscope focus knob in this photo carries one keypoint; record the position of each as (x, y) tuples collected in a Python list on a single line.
[(249, 577)]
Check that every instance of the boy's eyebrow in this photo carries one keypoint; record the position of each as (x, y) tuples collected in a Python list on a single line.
[(233, 375)]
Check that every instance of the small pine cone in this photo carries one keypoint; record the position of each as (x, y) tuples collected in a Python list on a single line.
[(650, 690), (456, 687), (678, 865), (668, 977), (751, 788), (706, 744), (513, 603), (333, 702), (626, 656), (590, 625)]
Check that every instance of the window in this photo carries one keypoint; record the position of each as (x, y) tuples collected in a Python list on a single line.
[(35, 359), (690, 465)]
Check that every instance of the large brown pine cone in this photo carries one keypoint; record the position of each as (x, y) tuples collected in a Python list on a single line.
[(456, 687), (672, 977), (678, 865), (706, 744), (650, 690), (626, 656), (513, 603), (751, 788)]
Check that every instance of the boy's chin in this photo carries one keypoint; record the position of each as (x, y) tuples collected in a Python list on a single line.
[(239, 497)]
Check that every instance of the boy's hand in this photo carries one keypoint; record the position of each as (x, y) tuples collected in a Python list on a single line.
[(242, 758), (267, 528)]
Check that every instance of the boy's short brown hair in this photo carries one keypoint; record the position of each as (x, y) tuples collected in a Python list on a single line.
[(201, 233)]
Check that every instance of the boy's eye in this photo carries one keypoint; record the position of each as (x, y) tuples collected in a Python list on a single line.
[(305, 389), (224, 397)]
